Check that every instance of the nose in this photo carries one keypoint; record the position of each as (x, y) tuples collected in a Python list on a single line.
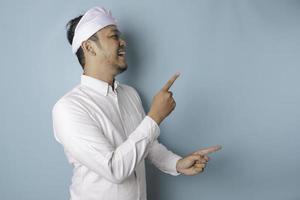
[(122, 42)]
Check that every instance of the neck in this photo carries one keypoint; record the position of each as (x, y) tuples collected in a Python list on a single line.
[(99, 74)]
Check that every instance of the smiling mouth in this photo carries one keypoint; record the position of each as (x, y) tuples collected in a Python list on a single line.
[(122, 54)]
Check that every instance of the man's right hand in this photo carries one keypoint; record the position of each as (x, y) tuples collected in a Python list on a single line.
[(163, 103)]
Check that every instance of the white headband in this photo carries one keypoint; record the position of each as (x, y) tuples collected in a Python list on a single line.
[(92, 21)]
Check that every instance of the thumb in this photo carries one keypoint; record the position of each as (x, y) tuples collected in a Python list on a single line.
[(189, 161)]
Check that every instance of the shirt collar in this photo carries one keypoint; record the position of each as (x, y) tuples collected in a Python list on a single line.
[(98, 85)]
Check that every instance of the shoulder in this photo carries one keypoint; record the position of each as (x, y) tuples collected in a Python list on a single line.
[(129, 89), (133, 94), (69, 102)]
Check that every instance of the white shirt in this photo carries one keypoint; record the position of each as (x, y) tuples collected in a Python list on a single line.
[(106, 137)]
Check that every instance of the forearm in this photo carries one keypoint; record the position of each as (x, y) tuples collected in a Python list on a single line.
[(163, 159)]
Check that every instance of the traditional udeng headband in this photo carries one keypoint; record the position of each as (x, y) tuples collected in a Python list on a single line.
[(92, 21)]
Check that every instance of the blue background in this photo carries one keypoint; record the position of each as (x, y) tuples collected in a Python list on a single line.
[(239, 87)]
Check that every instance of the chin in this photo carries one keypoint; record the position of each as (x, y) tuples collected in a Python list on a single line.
[(122, 68)]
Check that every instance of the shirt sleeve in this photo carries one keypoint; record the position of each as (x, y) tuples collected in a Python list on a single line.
[(164, 159), (81, 137)]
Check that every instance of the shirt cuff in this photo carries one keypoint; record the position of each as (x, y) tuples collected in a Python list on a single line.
[(154, 127), (173, 162), (148, 128), (153, 121)]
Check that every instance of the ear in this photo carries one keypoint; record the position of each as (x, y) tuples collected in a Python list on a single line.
[(88, 48)]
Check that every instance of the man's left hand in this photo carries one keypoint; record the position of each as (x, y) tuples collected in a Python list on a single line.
[(196, 162)]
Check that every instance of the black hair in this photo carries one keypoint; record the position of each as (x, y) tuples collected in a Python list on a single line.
[(71, 25)]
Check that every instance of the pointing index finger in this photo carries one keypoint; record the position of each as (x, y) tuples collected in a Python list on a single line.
[(209, 150), (170, 82)]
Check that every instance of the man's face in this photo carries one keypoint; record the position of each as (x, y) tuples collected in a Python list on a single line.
[(111, 48)]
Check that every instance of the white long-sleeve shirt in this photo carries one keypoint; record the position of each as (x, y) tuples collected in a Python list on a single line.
[(106, 137)]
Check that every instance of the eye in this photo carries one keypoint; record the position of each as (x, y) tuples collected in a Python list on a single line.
[(115, 36)]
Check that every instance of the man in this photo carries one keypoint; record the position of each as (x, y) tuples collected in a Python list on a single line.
[(102, 125)]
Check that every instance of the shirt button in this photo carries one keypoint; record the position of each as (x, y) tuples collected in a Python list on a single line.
[(135, 174)]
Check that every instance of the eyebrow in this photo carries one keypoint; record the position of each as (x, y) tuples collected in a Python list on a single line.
[(116, 30)]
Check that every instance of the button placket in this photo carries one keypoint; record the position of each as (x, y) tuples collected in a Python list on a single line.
[(116, 99), (115, 95)]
